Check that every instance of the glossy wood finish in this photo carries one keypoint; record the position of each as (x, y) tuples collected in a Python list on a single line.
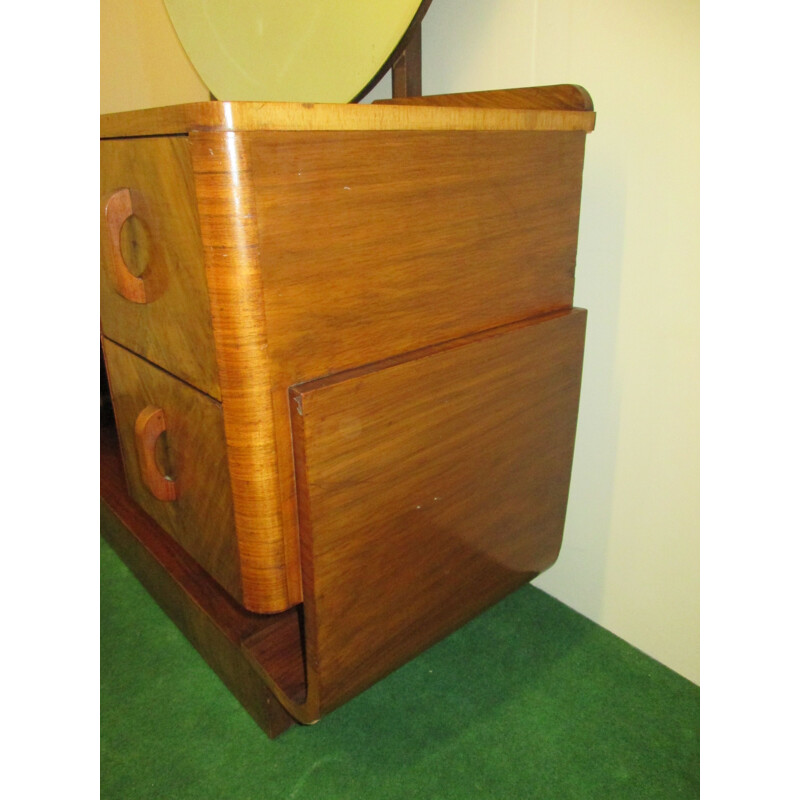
[(243, 116), (377, 245), (228, 220), (429, 487), (390, 311), (173, 328), (376, 253), (200, 518), (382, 245), (259, 658), (406, 467)]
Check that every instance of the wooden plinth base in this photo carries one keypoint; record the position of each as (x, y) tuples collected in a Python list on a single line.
[(220, 630)]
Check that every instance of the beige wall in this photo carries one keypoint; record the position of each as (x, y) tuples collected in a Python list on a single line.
[(631, 550), (630, 559), (142, 64)]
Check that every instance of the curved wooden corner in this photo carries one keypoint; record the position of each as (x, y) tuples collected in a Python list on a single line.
[(225, 201), (561, 97)]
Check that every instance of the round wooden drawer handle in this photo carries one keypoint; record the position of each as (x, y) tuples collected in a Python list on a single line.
[(118, 209), (150, 424)]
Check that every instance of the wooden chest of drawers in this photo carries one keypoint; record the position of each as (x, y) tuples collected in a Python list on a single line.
[(344, 360)]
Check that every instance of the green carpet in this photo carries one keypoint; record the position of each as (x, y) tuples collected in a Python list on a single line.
[(530, 700)]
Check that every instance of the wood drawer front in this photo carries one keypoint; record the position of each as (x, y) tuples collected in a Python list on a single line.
[(192, 450), (427, 489), (378, 243), (169, 323)]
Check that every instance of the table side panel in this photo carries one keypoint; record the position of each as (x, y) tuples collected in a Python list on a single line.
[(427, 490), (374, 244)]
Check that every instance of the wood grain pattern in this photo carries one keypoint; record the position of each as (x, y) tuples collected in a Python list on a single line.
[(118, 210), (428, 488), (226, 206), (173, 328), (246, 116), (373, 245), (200, 518), (395, 368), (229, 638), (377, 245), (565, 97)]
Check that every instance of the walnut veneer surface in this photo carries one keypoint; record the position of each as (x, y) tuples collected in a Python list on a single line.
[(355, 324)]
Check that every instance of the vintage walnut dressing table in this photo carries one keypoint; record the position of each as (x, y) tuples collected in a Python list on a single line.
[(345, 370)]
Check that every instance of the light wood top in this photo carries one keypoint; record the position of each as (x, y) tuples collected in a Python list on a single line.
[(563, 96), (250, 116)]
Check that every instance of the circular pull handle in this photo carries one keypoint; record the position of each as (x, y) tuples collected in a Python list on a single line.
[(150, 424), (118, 209)]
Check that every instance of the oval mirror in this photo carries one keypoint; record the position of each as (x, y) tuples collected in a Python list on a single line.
[(316, 51)]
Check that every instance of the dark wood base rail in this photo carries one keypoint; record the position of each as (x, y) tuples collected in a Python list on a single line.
[(238, 645)]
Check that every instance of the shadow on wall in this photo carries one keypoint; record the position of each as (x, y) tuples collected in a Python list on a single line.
[(598, 280)]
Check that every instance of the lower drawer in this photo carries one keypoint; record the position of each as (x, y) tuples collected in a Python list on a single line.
[(173, 447)]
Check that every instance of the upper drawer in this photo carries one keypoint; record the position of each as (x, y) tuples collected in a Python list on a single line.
[(153, 295)]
